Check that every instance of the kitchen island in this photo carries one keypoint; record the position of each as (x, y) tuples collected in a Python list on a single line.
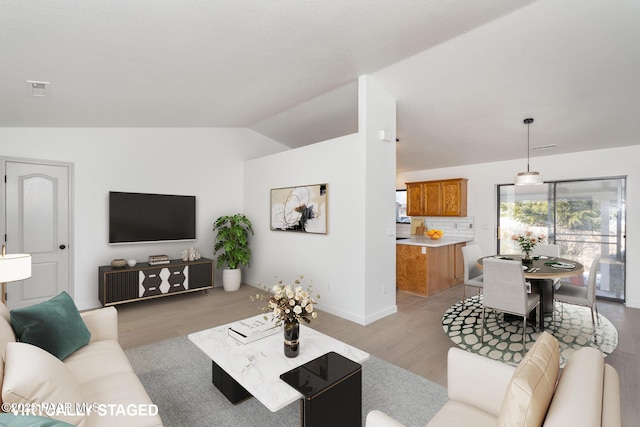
[(425, 266)]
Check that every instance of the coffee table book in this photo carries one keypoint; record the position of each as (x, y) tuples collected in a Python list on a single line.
[(254, 328)]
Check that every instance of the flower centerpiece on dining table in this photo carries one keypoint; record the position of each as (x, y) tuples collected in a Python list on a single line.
[(527, 242), (290, 303)]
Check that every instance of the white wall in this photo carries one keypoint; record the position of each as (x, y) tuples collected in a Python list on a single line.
[(377, 112), (204, 162), (483, 179), (350, 263)]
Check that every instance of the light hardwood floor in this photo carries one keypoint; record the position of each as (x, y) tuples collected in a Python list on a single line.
[(412, 338)]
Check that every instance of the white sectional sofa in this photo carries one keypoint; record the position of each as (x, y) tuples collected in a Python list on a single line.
[(484, 392), (93, 386)]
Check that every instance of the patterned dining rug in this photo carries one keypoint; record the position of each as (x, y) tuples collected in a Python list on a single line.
[(177, 377), (503, 339)]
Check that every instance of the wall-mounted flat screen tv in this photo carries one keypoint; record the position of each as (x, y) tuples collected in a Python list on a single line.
[(140, 217)]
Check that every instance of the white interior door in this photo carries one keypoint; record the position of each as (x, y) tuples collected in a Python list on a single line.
[(37, 223)]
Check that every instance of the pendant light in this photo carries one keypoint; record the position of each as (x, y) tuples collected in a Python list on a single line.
[(528, 178)]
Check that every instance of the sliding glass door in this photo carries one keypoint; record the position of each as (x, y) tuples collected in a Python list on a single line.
[(586, 218)]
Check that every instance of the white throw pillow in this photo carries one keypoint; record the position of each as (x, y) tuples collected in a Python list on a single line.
[(32, 375)]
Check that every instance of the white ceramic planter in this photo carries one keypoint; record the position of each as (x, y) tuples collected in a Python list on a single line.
[(231, 279)]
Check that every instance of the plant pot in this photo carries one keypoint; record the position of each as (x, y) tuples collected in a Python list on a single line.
[(231, 279)]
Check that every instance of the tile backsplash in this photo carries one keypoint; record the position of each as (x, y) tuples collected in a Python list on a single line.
[(463, 227)]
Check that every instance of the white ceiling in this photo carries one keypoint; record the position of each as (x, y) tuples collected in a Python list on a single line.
[(465, 73)]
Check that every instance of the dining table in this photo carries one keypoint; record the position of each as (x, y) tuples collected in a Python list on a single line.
[(541, 271)]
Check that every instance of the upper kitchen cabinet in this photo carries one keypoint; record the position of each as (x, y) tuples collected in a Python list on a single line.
[(414, 199), (454, 197), (437, 198)]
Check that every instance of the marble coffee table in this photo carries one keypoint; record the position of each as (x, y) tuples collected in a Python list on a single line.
[(257, 366)]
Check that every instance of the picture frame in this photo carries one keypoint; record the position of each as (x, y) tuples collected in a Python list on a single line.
[(300, 209)]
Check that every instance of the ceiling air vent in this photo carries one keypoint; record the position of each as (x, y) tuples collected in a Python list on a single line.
[(544, 147), (38, 88)]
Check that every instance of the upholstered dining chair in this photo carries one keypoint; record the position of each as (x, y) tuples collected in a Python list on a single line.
[(472, 273), (581, 295), (505, 290), (547, 250)]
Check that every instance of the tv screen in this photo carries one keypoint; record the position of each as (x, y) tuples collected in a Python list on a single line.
[(139, 217)]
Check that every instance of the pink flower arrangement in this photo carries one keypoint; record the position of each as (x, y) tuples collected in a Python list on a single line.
[(527, 241)]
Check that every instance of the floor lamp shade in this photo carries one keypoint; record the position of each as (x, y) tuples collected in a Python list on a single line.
[(14, 267)]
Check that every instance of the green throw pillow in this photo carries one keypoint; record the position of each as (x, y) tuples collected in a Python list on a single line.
[(11, 420), (55, 326)]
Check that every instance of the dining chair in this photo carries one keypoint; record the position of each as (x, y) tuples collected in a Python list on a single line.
[(505, 290), (581, 295), (547, 250), (472, 273)]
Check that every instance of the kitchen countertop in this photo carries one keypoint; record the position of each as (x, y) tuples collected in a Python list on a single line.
[(425, 241)]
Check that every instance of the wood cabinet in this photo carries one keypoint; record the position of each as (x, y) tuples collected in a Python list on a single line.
[(458, 263), (437, 198), (411, 269), (144, 281), (425, 271), (432, 193), (414, 199)]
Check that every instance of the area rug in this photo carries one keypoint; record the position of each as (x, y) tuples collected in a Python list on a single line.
[(177, 377), (503, 339)]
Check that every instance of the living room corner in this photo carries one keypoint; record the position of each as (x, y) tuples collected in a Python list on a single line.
[(149, 148)]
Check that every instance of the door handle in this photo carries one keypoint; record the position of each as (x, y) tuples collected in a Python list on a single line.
[(62, 247)]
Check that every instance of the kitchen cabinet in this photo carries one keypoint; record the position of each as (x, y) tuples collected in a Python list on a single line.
[(425, 271), (437, 198), (411, 269), (414, 199), (432, 204), (458, 263)]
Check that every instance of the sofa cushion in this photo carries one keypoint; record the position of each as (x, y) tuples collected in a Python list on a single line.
[(11, 420), (6, 336), (55, 326), (578, 398), (4, 312), (455, 413), (108, 355), (531, 388), (126, 395), (34, 376)]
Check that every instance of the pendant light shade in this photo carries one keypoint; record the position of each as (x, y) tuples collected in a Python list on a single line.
[(528, 177)]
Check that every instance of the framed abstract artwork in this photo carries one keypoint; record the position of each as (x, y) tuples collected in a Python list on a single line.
[(302, 209)]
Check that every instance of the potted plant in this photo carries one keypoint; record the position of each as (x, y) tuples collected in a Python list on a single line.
[(232, 244)]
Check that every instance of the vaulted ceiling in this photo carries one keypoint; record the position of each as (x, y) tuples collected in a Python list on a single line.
[(465, 73)]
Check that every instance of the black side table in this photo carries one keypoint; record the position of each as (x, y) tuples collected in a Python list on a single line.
[(332, 390)]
